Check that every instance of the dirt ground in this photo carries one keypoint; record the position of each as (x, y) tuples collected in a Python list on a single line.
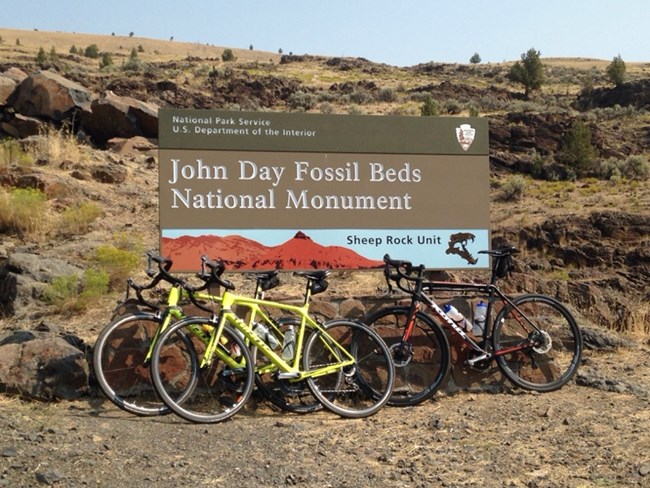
[(593, 432)]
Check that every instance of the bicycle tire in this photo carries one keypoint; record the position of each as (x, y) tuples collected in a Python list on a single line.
[(356, 391), (290, 396), (220, 392), (422, 364), (554, 361), (119, 363)]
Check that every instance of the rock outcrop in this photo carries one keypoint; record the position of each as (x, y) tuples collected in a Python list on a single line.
[(51, 96), (43, 365), (635, 94), (114, 116), (47, 97)]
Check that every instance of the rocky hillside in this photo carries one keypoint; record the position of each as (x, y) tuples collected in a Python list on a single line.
[(85, 138)]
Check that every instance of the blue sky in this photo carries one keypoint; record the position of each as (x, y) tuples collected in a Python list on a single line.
[(398, 33)]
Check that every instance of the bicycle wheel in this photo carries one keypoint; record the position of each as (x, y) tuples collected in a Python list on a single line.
[(119, 363), (358, 390), (422, 363), (290, 396), (220, 390), (554, 356)]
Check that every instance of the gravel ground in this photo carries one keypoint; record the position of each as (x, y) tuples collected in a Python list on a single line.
[(594, 432)]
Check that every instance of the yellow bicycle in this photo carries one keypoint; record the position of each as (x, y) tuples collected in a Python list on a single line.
[(345, 365)]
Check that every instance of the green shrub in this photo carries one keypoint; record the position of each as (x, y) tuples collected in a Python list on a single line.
[(636, 168), (576, 149), (129, 242), (76, 220), (354, 110), (302, 101), (419, 97), (410, 109), (94, 284), (326, 108), (62, 291), (453, 106), (107, 60), (328, 96), (11, 152), (133, 64), (537, 165), (387, 95), (513, 188), (430, 107), (360, 97), (616, 70), (69, 294), (92, 51), (529, 72), (23, 210), (117, 263), (41, 57), (227, 55), (610, 169)]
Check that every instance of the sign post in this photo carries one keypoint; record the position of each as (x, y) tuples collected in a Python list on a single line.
[(300, 191)]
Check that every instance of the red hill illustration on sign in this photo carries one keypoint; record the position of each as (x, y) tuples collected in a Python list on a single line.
[(299, 252)]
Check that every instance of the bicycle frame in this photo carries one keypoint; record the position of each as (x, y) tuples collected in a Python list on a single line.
[(484, 349), (180, 289), (288, 371), (171, 311)]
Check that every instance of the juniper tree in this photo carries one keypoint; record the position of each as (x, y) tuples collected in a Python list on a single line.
[(576, 149), (529, 71), (616, 70)]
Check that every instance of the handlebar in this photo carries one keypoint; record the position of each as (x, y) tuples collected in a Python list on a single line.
[(212, 275), (164, 264), (400, 270)]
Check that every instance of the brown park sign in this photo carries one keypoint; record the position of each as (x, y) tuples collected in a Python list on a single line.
[(300, 191)]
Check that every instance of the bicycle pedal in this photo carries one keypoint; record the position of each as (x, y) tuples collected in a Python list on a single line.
[(288, 376), (477, 359), (232, 372)]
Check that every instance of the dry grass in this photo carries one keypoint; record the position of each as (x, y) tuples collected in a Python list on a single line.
[(639, 321), (121, 45), (25, 211), (57, 146), (560, 196)]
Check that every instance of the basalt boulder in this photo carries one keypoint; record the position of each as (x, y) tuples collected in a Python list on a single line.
[(115, 116), (48, 95)]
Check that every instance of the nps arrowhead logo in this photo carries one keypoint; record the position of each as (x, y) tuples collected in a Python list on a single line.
[(465, 135)]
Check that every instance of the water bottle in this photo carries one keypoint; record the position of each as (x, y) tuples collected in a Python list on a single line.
[(263, 333), (289, 344), (458, 318), (480, 312)]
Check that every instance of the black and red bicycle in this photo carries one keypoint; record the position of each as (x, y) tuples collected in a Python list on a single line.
[(533, 338)]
